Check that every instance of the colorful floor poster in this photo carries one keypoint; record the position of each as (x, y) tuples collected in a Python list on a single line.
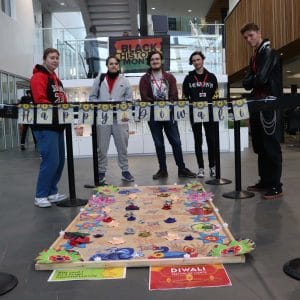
[(186, 277), (87, 274)]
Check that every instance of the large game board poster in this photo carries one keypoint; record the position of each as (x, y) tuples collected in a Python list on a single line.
[(143, 226)]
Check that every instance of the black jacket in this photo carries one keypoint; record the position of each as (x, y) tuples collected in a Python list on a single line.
[(264, 76), (199, 87)]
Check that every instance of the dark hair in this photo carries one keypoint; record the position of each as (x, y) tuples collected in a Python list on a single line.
[(196, 53), (110, 57), (93, 28), (28, 92), (48, 51), (150, 54), (249, 27)]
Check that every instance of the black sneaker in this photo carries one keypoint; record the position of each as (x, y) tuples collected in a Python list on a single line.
[(101, 178), (160, 174), (258, 187), (186, 173), (273, 193), (126, 176), (23, 147)]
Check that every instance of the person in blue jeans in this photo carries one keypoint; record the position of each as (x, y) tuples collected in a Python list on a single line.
[(157, 85), (46, 88)]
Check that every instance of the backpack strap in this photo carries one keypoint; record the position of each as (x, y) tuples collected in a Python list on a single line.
[(102, 77)]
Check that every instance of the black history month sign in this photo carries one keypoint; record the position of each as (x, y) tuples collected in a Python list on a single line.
[(133, 51)]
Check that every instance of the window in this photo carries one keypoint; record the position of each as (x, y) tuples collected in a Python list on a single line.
[(6, 7)]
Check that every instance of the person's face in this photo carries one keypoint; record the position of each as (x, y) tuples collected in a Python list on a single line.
[(52, 61), (113, 65), (253, 38), (155, 62), (197, 62)]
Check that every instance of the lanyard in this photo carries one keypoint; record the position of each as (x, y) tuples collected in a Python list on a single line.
[(202, 84), (253, 66), (156, 83)]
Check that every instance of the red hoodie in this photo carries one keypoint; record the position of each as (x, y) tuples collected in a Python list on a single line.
[(46, 87)]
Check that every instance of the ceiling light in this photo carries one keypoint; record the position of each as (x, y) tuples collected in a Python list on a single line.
[(62, 3), (189, 10), (153, 8), (288, 71)]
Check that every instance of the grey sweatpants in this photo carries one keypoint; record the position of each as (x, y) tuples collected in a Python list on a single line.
[(120, 135)]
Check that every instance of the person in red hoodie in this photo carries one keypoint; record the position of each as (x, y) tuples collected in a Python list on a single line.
[(47, 88)]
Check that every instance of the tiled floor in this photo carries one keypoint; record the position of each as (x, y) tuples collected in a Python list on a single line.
[(273, 225)]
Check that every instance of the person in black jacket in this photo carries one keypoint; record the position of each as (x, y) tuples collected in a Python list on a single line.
[(201, 85), (264, 78)]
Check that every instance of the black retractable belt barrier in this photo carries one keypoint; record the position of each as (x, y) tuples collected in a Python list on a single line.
[(72, 201), (218, 180), (238, 193), (7, 283), (95, 154)]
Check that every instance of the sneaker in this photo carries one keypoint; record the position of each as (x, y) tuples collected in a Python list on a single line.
[(273, 193), (101, 178), (42, 202), (258, 187), (212, 171), (186, 173), (126, 176), (200, 173), (22, 147), (57, 197), (160, 174)]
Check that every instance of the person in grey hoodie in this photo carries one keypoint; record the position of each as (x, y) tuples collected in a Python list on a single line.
[(111, 87), (92, 53)]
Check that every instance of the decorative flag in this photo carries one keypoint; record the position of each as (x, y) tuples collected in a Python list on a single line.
[(25, 114), (240, 109), (181, 111), (105, 115), (44, 114), (220, 111), (142, 111), (124, 113), (161, 111), (86, 114), (200, 112), (65, 114)]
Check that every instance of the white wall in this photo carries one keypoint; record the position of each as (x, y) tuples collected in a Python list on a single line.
[(17, 39)]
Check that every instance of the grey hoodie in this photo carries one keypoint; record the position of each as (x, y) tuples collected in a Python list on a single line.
[(121, 90)]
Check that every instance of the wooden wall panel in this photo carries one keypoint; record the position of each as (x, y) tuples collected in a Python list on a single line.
[(277, 19)]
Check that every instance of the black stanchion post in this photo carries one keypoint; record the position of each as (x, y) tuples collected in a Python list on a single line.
[(95, 154), (218, 180), (238, 193), (7, 283), (72, 201)]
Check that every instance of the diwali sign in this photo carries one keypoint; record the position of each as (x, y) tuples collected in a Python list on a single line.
[(133, 51), (183, 277)]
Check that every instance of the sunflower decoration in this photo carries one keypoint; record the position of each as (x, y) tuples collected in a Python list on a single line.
[(200, 104), (161, 104), (124, 106), (44, 106), (216, 95), (220, 103), (143, 104), (181, 103), (86, 106), (25, 106), (240, 102), (64, 106), (51, 256)]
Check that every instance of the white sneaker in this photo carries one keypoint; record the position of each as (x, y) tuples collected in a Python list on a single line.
[(212, 172), (200, 173), (42, 202), (57, 197)]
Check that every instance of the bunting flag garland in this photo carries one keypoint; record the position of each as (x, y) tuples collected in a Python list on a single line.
[(86, 114), (220, 111), (181, 111), (162, 111), (26, 114), (65, 114), (240, 109), (200, 112), (142, 111), (105, 114), (44, 114)]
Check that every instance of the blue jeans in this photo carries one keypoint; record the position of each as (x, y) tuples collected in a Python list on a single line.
[(172, 133), (52, 149)]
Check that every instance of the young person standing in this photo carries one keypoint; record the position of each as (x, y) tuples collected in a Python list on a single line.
[(264, 78), (111, 87), (201, 85), (157, 85), (46, 88)]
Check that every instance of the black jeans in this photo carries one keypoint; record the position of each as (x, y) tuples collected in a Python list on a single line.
[(266, 143), (94, 66), (210, 140), (24, 134), (172, 133)]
